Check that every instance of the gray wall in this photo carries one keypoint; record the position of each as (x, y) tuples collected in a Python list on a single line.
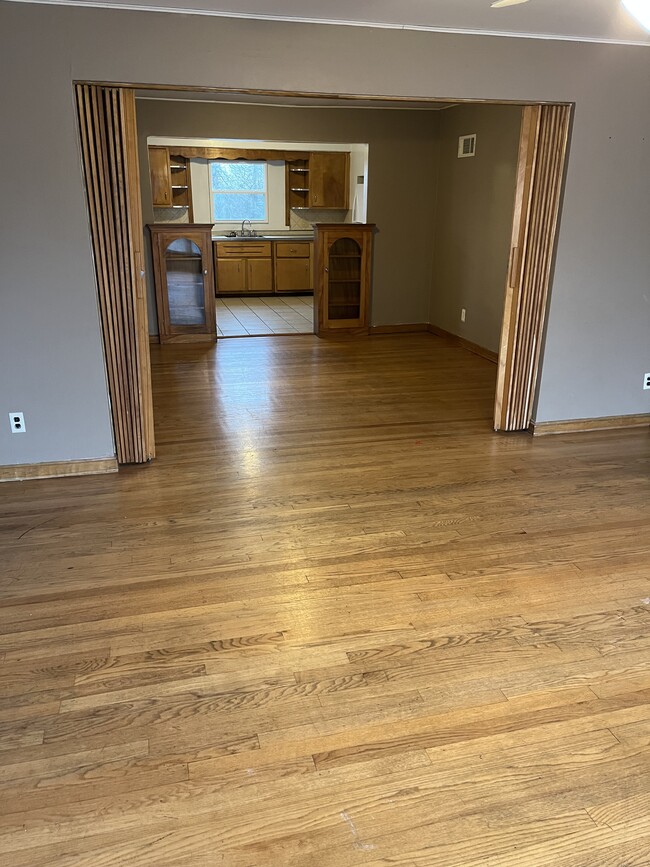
[(474, 221), (402, 209), (597, 346)]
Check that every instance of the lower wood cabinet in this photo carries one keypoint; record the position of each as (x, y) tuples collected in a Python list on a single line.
[(182, 260), (292, 275), (231, 276), (263, 267), (243, 267), (293, 266)]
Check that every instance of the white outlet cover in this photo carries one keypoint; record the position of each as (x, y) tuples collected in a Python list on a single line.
[(646, 381), (17, 422)]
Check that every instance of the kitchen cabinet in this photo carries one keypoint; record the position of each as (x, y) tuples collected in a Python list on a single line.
[(159, 171), (343, 268), (321, 181), (231, 276), (293, 266), (259, 277), (184, 280), (243, 267), (329, 180), (171, 181)]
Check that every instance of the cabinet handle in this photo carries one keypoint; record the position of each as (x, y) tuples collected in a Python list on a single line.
[(327, 270), (206, 272), (513, 268)]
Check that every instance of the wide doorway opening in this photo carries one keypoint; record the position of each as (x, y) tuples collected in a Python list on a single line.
[(496, 169)]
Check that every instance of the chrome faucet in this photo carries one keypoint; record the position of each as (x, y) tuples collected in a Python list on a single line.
[(245, 232)]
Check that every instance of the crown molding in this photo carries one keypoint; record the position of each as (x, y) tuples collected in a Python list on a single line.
[(288, 19)]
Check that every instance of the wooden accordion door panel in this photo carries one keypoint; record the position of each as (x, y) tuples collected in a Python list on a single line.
[(111, 172), (542, 154)]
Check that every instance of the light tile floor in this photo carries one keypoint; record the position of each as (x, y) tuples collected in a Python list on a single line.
[(254, 316)]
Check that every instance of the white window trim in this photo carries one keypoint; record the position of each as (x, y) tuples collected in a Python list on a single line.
[(265, 191)]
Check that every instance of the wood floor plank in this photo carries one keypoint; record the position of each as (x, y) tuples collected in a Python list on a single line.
[(338, 622)]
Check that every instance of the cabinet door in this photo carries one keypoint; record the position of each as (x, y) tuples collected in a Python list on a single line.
[(343, 274), (292, 275), (184, 285), (231, 276), (260, 275), (329, 179), (161, 187)]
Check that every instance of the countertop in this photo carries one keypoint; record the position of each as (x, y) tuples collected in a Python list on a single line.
[(293, 236)]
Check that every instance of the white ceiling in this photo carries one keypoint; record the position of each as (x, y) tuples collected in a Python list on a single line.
[(587, 20)]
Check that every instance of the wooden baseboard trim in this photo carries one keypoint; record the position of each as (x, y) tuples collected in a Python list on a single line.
[(464, 344), (153, 339), (399, 329), (22, 472), (582, 425)]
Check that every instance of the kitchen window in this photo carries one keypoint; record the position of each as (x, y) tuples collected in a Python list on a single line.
[(238, 191)]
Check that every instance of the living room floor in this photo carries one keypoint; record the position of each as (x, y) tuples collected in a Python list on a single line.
[(337, 621)]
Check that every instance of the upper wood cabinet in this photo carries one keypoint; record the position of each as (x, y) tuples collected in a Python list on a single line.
[(161, 184), (329, 180), (182, 259), (320, 181), (171, 181)]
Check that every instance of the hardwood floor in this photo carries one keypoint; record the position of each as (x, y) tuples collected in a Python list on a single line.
[(338, 622)]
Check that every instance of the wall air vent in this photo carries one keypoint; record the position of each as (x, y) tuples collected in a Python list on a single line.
[(467, 146)]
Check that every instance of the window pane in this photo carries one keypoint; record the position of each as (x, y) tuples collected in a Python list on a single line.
[(238, 176), (235, 207)]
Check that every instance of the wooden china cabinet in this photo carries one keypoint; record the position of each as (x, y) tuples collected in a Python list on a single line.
[(182, 261), (343, 271)]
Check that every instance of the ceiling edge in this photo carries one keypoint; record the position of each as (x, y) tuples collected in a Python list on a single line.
[(101, 4)]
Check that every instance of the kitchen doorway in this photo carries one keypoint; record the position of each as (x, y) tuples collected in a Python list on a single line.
[(540, 173), (262, 197)]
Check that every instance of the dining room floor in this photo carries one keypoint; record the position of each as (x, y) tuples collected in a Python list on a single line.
[(258, 315)]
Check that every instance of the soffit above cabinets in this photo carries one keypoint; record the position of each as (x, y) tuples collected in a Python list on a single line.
[(588, 20)]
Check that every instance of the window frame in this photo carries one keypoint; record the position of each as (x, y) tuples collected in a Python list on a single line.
[(264, 192)]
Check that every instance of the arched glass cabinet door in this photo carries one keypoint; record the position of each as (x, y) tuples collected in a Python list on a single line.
[(184, 276), (344, 280)]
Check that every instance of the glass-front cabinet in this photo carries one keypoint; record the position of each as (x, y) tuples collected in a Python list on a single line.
[(182, 258), (343, 274)]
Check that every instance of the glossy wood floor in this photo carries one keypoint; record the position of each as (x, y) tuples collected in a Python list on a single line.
[(338, 622)]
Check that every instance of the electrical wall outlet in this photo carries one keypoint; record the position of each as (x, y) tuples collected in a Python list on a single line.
[(17, 420), (646, 380), (462, 314)]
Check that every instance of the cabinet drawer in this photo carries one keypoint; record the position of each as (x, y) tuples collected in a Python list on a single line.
[(292, 249), (243, 250)]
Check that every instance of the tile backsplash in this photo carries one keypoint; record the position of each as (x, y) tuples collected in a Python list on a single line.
[(299, 220), (306, 219), (171, 215)]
